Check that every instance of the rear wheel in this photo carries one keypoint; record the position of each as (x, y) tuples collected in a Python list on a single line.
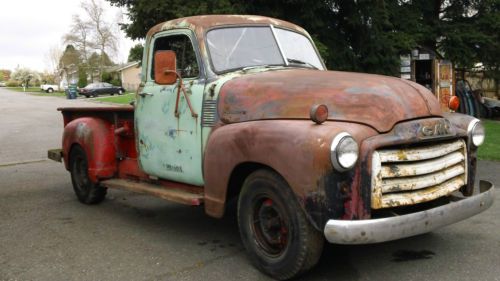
[(50, 90), (279, 239), (86, 191), (120, 92)]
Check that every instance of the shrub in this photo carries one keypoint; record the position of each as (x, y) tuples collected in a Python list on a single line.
[(13, 83), (116, 82), (82, 78), (107, 77)]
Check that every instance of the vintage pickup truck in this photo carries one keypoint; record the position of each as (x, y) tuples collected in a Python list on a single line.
[(242, 107)]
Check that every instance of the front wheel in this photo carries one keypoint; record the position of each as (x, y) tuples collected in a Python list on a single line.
[(120, 92), (86, 191), (279, 239)]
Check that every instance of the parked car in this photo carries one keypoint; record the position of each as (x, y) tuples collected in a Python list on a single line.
[(49, 88), (2, 84), (96, 89)]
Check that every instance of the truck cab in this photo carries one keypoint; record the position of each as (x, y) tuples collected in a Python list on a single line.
[(243, 107)]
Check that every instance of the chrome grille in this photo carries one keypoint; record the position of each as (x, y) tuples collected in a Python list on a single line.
[(410, 176)]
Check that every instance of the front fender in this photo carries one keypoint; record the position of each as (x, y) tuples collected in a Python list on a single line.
[(96, 137), (299, 150)]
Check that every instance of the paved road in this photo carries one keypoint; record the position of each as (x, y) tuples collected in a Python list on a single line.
[(45, 234)]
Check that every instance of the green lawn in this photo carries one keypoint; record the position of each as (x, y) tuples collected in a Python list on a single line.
[(36, 91), (490, 150), (20, 89), (123, 99)]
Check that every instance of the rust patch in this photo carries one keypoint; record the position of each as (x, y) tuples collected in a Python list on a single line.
[(202, 23), (303, 160), (350, 97)]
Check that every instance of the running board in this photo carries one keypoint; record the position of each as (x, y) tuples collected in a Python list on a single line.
[(175, 195)]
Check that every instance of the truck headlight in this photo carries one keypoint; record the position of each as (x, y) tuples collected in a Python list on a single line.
[(344, 152), (476, 132)]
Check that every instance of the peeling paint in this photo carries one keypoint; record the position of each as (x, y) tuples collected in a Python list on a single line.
[(433, 171), (350, 97)]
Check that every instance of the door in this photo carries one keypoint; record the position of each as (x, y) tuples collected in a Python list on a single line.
[(169, 146), (101, 89), (444, 85)]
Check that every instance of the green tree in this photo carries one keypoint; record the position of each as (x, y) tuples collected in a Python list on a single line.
[(82, 78), (69, 57), (96, 63), (135, 53), (96, 59), (358, 35), (144, 14)]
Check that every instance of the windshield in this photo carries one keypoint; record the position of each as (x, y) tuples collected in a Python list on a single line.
[(296, 46), (240, 47)]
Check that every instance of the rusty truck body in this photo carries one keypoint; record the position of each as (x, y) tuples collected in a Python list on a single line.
[(242, 107)]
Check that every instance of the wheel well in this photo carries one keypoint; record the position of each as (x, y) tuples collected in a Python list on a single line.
[(69, 153), (238, 176)]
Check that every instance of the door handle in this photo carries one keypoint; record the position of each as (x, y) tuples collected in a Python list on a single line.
[(145, 94)]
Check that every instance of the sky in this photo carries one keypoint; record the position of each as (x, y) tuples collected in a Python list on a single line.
[(29, 28)]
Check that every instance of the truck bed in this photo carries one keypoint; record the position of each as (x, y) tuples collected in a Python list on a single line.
[(113, 136), (110, 113)]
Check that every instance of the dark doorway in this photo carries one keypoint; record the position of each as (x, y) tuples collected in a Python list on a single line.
[(423, 73)]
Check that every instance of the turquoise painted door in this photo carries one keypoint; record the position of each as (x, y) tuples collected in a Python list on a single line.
[(169, 146)]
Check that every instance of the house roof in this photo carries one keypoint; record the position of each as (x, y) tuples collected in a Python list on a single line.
[(128, 65)]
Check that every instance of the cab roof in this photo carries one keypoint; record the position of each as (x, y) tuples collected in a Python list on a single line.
[(199, 24)]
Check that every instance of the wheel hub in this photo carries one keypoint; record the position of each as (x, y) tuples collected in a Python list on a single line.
[(270, 226)]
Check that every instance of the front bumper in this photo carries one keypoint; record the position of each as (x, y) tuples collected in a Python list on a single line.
[(387, 229)]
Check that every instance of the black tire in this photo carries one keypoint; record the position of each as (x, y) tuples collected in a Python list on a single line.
[(120, 92), (278, 237), (50, 90), (87, 96), (86, 191)]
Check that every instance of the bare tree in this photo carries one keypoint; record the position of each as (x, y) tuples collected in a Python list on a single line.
[(52, 58), (80, 37), (102, 31)]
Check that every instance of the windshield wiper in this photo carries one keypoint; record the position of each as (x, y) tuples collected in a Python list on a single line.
[(259, 66), (296, 61)]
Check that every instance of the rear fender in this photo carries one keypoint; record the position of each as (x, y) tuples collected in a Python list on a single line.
[(96, 137)]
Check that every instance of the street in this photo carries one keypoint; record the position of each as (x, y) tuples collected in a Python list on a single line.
[(46, 234)]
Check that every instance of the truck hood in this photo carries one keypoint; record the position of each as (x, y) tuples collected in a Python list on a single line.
[(377, 101)]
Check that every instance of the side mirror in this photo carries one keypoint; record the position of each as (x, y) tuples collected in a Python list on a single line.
[(165, 67)]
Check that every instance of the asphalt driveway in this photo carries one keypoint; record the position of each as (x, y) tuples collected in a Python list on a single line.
[(45, 234)]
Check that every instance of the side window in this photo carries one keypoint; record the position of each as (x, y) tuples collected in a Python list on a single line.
[(187, 66)]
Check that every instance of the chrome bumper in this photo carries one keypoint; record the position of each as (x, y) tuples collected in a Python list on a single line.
[(386, 229)]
